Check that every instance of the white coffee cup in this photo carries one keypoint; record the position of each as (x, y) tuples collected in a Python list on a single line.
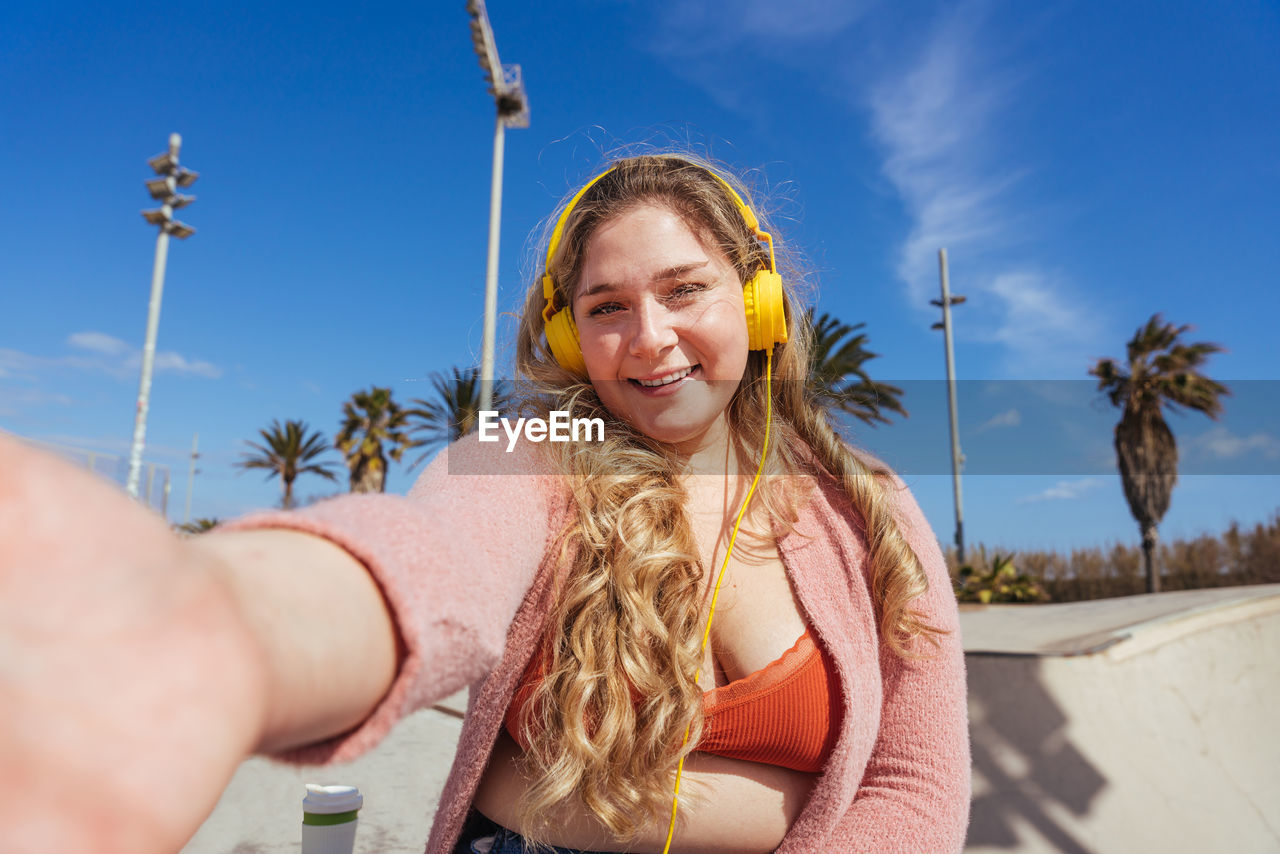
[(329, 819)]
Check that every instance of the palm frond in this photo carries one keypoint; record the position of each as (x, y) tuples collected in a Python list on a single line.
[(287, 451), (373, 427), (838, 379), (452, 411)]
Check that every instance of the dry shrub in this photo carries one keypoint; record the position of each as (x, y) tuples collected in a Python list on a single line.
[(1230, 559)]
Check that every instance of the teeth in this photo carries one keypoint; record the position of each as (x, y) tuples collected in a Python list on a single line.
[(667, 380)]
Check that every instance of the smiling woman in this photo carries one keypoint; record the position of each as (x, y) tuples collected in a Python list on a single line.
[(718, 628), (654, 313)]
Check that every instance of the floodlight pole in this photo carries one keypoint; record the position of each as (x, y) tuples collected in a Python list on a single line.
[(507, 88), (165, 190), (957, 458), (148, 361), (491, 270)]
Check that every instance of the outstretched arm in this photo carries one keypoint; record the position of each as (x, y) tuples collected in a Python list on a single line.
[(131, 682), (323, 637), (138, 669), (452, 561)]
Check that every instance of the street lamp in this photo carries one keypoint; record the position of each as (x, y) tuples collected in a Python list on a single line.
[(507, 87), (165, 190), (191, 476), (957, 458)]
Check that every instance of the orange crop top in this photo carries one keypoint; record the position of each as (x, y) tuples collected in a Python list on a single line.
[(786, 714)]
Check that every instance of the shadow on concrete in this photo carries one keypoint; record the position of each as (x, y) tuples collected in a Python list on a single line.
[(1022, 757)]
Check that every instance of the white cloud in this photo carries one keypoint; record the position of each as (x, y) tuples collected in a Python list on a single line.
[(937, 97), (17, 401), (175, 363), (937, 121), (709, 29), (1039, 325), (1064, 490), (14, 363), (798, 19), (931, 118), (1220, 443), (98, 342), (104, 354), (722, 46), (1008, 418)]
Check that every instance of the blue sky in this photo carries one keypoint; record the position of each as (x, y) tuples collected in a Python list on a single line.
[(1085, 164)]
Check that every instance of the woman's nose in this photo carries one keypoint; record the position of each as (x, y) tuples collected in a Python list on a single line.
[(653, 331)]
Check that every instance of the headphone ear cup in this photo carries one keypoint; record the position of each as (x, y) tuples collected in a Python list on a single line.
[(766, 311), (562, 338)]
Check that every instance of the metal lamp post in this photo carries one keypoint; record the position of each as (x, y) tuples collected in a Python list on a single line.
[(507, 87), (191, 476), (165, 190), (957, 458)]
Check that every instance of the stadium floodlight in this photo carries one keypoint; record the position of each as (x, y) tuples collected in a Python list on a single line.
[(506, 84), (163, 188), (162, 163), (159, 188)]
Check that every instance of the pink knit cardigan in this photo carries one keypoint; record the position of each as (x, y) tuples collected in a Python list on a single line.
[(465, 562)]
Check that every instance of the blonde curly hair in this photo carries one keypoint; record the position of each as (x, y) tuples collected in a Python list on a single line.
[(626, 623)]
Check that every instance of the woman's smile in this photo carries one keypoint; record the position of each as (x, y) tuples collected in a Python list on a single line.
[(666, 383)]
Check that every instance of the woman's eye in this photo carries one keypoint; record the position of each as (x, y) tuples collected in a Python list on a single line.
[(604, 309), (687, 289)]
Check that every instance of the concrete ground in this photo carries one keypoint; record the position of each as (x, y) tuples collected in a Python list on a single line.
[(1123, 725), (261, 811)]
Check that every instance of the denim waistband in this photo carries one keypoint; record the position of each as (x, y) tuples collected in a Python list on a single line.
[(480, 835)]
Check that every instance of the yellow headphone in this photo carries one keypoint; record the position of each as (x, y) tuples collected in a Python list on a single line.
[(766, 314)]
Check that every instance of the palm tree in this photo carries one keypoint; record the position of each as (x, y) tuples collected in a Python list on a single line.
[(372, 420), (197, 526), (837, 378), (287, 453), (1162, 372), (453, 410)]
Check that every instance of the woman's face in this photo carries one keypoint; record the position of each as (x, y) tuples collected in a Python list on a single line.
[(663, 327)]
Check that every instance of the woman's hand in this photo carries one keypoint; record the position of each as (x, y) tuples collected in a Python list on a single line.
[(130, 688)]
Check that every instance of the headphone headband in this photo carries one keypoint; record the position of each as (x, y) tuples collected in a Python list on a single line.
[(748, 216), (548, 284), (763, 294)]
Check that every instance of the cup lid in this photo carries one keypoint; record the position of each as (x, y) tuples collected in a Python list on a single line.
[(327, 800)]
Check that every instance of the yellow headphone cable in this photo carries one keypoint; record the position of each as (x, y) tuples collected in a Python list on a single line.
[(715, 593)]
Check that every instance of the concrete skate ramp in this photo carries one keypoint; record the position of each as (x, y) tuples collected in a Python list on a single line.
[(1146, 723)]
